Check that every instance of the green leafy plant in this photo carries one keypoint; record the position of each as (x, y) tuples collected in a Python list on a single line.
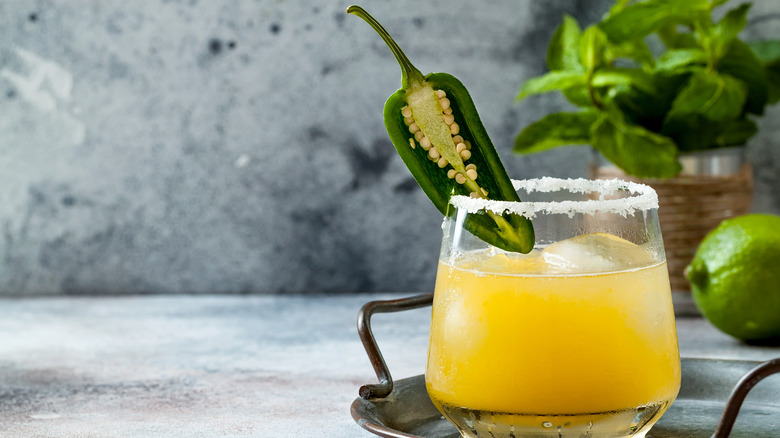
[(653, 79)]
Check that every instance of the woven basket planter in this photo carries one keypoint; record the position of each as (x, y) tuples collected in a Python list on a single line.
[(694, 202)]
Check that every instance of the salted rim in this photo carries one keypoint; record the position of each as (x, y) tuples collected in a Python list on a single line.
[(644, 199)]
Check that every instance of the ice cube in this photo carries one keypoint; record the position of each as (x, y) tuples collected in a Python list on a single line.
[(596, 252), (513, 263)]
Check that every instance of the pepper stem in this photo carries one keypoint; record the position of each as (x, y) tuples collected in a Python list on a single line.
[(409, 72)]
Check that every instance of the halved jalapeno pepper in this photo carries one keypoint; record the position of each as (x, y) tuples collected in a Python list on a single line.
[(434, 126)]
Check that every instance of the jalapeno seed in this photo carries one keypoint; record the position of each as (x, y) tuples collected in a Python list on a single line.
[(462, 145)]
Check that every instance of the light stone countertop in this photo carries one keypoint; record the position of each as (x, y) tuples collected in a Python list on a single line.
[(215, 366)]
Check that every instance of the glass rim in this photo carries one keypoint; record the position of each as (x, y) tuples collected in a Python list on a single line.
[(643, 198)]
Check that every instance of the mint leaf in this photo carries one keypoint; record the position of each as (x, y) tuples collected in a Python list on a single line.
[(679, 59), (558, 129), (766, 51), (649, 109), (673, 39), (714, 96), (740, 62), (732, 23), (728, 27), (634, 149), (638, 20), (773, 77), (693, 132), (563, 51), (704, 109), (618, 6), (579, 95), (592, 46), (554, 80), (635, 77), (736, 133), (636, 50)]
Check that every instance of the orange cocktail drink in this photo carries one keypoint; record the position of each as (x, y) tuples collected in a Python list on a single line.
[(577, 337)]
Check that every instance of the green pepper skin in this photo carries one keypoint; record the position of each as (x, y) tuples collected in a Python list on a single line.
[(434, 181), (509, 232)]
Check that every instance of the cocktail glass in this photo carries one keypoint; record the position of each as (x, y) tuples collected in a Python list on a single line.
[(576, 338)]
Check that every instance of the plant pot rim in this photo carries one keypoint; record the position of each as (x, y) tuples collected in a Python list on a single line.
[(727, 161), (731, 150), (713, 162)]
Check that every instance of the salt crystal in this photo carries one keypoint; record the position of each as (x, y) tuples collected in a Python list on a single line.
[(643, 198)]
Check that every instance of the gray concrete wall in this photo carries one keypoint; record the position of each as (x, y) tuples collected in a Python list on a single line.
[(238, 147)]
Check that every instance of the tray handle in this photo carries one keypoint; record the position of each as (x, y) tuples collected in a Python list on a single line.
[(738, 394), (385, 385)]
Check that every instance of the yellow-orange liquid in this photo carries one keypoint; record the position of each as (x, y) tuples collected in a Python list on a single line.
[(547, 345)]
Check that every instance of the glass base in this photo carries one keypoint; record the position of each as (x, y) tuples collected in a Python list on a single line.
[(633, 423)]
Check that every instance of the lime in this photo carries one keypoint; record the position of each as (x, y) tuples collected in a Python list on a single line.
[(735, 277)]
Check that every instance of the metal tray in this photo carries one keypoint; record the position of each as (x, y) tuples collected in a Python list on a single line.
[(706, 385), (712, 395)]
